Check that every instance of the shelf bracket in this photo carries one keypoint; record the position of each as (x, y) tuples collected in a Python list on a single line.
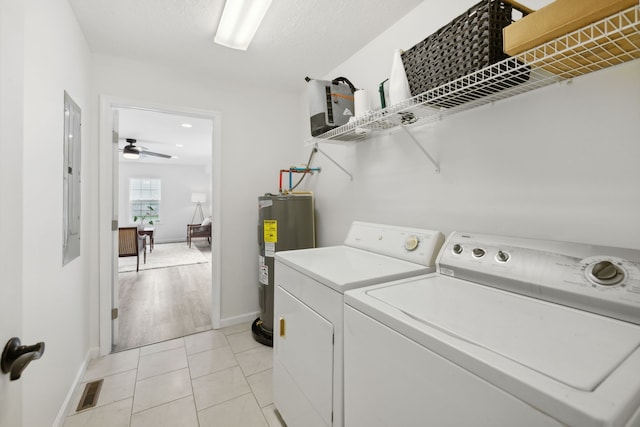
[(426, 153), (334, 162)]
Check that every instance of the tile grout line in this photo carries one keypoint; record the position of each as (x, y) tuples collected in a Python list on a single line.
[(166, 372), (135, 386), (246, 378), (226, 401), (85, 380), (188, 368), (255, 398), (222, 370), (260, 408), (193, 392), (163, 403)]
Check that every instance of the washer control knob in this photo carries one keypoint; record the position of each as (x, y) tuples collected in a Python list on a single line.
[(502, 256), (478, 252), (411, 243), (607, 273), (457, 249)]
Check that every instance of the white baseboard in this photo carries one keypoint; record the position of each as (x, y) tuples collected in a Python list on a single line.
[(92, 353), (243, 318)]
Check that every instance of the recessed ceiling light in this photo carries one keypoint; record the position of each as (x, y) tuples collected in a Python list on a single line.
[(187, 125), (179, 145)]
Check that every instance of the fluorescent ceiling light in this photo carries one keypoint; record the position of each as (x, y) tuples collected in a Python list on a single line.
[(239, 22), (186, 125)]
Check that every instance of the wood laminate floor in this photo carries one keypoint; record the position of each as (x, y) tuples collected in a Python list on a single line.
[(162, 304)]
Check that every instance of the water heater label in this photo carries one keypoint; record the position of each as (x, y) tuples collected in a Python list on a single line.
[(263, 271), (270, 231), (269, 249)]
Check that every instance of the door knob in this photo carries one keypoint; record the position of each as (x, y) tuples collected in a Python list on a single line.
[(16, 357)]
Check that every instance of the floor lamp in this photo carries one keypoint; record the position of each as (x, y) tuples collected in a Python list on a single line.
[(199, 199)]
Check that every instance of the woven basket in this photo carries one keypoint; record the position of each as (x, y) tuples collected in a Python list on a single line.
[(469, 43)]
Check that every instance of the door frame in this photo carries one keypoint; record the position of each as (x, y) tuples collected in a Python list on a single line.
[(108, 249)]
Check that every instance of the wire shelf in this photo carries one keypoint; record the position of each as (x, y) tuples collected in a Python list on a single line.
[(610, 41)]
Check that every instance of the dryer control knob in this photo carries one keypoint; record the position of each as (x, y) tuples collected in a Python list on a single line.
[(411, 243), (457, 249), (478, 252), (607, 273), (502, 256)]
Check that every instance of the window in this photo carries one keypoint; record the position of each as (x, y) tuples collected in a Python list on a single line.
[(144, 199)]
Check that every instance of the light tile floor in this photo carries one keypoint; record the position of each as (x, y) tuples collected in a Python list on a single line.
[(215, 378)]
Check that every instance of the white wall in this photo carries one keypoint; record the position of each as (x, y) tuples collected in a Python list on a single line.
[(11, 155), (178, 182), (560, 162), (256, 142), (55, 299)]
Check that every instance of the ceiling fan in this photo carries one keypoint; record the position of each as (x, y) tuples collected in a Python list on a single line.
[(131, 151)]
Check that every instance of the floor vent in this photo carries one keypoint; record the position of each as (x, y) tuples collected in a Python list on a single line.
[(90, 395)]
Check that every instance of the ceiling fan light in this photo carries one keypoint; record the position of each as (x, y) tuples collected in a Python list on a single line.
[(240, 21), (129, 152)]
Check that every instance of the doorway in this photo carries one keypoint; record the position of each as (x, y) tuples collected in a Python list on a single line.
[(154, 138), (167, 164)]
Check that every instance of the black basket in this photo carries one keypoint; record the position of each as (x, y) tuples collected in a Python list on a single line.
[(469, 43)]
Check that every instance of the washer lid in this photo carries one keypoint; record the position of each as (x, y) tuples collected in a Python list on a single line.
[(343, 267), (577, 348)]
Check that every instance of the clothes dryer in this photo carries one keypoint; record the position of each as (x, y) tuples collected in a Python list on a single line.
[(507, 332), (308, 312)]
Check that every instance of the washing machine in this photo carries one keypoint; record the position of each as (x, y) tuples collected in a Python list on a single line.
[(308, 312), (507, 332)]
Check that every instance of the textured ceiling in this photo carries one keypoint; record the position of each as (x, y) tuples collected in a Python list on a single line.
[(297, 37)]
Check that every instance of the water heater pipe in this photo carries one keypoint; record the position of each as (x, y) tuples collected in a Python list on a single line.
[(293, 170)]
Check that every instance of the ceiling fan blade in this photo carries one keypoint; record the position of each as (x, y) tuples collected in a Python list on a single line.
[(151, 153), (141, 151)]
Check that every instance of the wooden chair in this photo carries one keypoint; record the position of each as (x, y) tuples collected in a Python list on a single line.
[(198, 230), (130, 243)]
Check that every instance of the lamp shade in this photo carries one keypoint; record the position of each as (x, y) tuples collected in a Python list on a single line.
[(198, 197)]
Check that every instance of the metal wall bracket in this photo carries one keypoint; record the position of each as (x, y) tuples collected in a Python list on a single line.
[(424, 151), (334, 162)]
